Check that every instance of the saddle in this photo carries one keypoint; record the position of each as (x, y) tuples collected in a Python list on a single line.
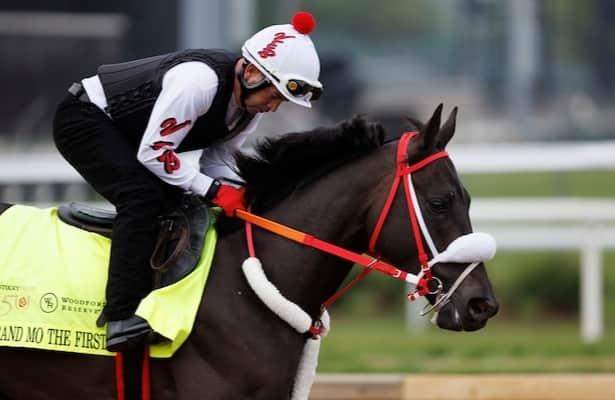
[(180, 239)]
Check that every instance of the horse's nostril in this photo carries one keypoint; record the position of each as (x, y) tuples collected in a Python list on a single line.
[(482, 308)]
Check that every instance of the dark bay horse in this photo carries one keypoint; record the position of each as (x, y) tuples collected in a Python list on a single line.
[(331, 182)]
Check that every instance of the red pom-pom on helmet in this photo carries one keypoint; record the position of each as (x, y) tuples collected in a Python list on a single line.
[(303, 22)]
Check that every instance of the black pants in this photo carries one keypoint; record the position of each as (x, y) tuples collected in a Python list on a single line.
[(107, 160)]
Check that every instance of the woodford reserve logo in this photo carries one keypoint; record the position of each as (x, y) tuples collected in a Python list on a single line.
[(49, 302)]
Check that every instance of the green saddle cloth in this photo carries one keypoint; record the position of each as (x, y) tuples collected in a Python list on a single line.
[(52, 287)]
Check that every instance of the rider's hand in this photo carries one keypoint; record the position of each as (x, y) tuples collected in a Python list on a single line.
[(229, 198)]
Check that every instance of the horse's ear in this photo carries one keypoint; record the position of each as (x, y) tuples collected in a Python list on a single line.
[(430, 131), (447, 131)]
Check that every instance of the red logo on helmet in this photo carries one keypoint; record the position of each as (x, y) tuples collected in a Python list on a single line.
[(269, 50)]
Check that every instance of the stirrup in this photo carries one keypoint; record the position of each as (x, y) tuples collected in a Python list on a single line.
[(127, 334)]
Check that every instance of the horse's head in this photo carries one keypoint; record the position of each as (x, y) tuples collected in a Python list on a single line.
[(465, 299), (336, 184)]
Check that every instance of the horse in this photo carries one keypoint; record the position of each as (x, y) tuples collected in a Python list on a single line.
[(332, 182)]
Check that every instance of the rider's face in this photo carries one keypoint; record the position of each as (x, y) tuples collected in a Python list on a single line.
[(267, 99)]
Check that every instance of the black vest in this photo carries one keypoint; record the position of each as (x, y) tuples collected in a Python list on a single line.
[(131, 89)]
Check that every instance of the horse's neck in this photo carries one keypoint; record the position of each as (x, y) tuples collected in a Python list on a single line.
[(332, 209)]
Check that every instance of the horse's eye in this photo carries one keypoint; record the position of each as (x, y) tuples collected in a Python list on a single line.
[(441, 204)]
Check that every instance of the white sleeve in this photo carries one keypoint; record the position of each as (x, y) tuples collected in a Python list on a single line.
[(188, 90), (217, 160)]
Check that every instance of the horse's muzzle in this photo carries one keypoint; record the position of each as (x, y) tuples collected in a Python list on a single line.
[(473, 316)]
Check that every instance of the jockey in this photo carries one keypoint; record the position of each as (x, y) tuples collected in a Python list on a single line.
[(122, 130)]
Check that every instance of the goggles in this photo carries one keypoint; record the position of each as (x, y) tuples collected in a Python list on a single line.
[(301, 88), (295, 86), (289, 84)]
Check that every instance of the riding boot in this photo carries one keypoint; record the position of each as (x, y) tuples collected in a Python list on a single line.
[(126, 334)]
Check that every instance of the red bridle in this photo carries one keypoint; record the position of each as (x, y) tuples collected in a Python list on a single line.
[(403, 170)]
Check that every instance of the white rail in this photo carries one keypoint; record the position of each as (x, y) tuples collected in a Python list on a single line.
[(527, 157)]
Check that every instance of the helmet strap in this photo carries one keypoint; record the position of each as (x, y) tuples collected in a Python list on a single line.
[(247, 88)]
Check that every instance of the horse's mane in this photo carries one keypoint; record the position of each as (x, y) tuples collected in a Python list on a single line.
[(282, 164)]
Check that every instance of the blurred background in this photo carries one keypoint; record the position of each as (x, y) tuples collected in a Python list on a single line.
[(535, 146)]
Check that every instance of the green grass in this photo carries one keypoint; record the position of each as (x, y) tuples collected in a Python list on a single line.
[(383, 345), (530, 284), (541, 184)]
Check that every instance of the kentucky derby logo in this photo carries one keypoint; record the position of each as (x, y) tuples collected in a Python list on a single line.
[(269, 50), (22, 302)]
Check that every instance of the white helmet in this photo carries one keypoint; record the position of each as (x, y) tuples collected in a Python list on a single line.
[(286, 56)]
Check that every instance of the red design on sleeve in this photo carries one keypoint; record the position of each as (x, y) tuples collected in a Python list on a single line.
[(168, 157), (170, 126)]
